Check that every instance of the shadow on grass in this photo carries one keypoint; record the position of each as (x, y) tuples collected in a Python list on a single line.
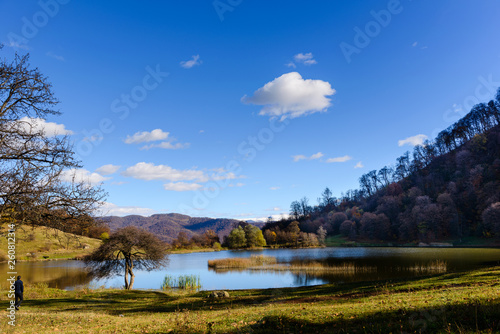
[(115, 302), (470, 317)]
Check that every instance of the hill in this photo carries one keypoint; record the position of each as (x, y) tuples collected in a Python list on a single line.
[(447, 190), (41, 242), (168, 226)]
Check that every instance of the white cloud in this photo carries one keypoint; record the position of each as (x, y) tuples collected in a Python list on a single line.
[(166, 145), (53, 55), (182, 186), (291, 64), (359, 165), (146, 136), (339, 159), (414, 44), (307, 58), (107, 169), (82, 175), (190, 63), (50, 129), (291, 96), (303, 157), (155, 135), (16, 45), (150, 171), (274, 188), (239, 184), (299, 157), (93, 138), (110, 209), (263, 219), (413, 141)]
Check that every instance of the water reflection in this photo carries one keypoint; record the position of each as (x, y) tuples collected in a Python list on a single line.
[(389, 263)]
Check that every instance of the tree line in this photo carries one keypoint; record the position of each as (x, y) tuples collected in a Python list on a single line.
[(446, 189)]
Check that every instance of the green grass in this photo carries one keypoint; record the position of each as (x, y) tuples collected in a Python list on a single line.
[(41, 243), (467, 302), (183, 282)]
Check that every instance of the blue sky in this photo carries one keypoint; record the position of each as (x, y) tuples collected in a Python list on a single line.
[(237, 108)]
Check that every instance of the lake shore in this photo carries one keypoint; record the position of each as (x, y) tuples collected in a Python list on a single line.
[(455, 302)]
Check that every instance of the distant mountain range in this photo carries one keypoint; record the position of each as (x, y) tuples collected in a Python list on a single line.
[(167, 226)]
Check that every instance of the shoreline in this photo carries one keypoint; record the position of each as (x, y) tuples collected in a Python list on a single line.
[(357, 245)]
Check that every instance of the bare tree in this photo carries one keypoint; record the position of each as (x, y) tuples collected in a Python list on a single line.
[(127, 249), (31, 160), (295, 209)]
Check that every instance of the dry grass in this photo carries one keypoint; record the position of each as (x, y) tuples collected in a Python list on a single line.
[(242, 263), (41, 243), (444, 303)]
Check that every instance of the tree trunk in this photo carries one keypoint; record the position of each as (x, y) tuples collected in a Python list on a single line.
[(126, 275), (131, 266)]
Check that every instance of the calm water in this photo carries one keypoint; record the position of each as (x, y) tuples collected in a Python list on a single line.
[(384, 263)]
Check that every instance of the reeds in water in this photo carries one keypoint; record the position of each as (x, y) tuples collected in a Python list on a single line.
[(184, 282), (242, 263), (437, 266)]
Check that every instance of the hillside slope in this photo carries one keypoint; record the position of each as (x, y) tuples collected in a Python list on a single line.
[(168, 226), (41, 242)]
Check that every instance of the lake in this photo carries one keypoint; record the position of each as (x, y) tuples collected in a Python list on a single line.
[(368, 263)]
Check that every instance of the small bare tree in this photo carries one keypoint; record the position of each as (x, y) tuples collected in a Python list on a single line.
[(127, 249)]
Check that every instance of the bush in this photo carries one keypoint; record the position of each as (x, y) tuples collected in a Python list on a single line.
[(32, 255), (46, 247)]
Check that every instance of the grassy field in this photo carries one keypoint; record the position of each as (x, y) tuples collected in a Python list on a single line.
[(43, 242), (448, 303)]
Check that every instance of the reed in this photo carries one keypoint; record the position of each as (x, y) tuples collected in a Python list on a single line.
[(184, 282), (437, 266), (239, 263)]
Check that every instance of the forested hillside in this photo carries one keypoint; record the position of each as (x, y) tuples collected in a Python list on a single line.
[(446, 189), (168, 226)]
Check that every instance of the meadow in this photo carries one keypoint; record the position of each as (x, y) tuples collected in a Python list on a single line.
[(462, 302)]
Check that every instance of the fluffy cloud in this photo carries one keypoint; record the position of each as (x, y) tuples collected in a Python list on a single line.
[(178, 178), (291, 96), (359, 165), (339, 159), (155, 135), (107, 169), (190, 63), (145, 136), (182, 186), (306, 58), (150, 171), (110, 209), (303, 157), (50, 129), (82, 175), (413, 141)]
